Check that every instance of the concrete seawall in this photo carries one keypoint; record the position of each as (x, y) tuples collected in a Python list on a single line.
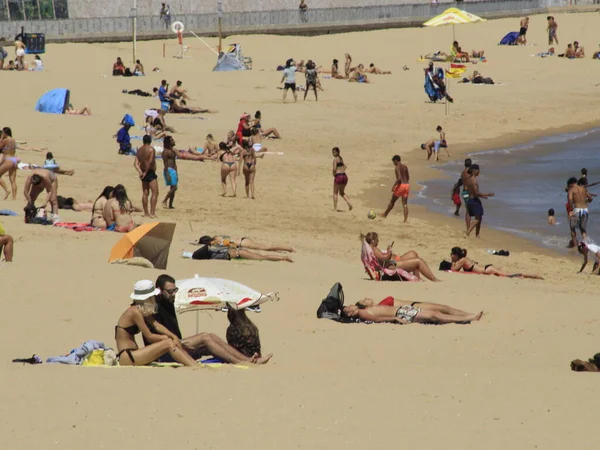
[(286, 21)]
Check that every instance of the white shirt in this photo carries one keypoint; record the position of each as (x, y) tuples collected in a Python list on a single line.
[(290, 74), (593, 250)]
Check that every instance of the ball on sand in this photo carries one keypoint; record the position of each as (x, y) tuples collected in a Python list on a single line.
[(371, 215)]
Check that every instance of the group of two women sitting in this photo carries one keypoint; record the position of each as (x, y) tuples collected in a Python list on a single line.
[(112, 210)]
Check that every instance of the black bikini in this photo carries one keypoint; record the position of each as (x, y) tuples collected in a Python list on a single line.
[(132, 331), (473, 266)]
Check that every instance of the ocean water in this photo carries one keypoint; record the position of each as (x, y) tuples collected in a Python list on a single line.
[(528, 180)]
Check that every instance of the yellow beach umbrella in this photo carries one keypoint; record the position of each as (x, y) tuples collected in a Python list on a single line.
[(453, 16)]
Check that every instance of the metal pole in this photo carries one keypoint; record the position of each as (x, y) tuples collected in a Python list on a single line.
[(134, 26)]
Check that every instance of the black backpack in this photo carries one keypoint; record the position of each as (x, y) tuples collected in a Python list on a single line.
[(331, 306)]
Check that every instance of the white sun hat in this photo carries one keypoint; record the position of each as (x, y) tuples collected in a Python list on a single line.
[(143, 290)]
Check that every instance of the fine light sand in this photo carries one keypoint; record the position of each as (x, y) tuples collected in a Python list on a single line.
[(503, 382)]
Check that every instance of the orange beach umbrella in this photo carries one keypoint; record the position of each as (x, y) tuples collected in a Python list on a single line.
[(151, 241)]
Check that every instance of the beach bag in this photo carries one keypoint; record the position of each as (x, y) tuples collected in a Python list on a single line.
[(128, 120), (2, 230), (331, 306)]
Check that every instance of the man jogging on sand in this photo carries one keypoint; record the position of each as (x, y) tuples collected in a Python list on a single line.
[(400, 189)]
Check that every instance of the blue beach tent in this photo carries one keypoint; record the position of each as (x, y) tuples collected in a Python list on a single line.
[(510, 38), (53, 102)]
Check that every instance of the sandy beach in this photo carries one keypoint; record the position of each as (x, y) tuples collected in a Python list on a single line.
[(503, 382)]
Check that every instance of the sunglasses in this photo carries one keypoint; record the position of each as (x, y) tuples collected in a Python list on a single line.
[(171, 291)]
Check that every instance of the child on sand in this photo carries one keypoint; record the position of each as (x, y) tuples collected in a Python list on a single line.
[(551, 218), (456, 197)]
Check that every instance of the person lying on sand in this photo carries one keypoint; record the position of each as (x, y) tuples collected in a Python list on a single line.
[(460, 261), (407, 313), (409, 261), (85, 111), (164, 321), (74, 205), (592, 249), (228, 253), (181, 107), (244, 242), (136, 319), (377, 71)]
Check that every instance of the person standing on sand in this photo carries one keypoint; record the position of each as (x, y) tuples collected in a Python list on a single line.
[(20, 53), (289, 79), (311, 79), (400, 189), (340, 179), (145, 164), (578, 197), (552, 29), (474, 206), (443, 142), (170, 174), (464, 177), (524, 25)]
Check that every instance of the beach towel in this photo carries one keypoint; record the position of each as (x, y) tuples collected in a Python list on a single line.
[(510, 38), (76, 356), (77, 226), (7, 212), (378, 273)]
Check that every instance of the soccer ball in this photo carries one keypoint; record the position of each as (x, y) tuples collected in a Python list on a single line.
[(371, 215)]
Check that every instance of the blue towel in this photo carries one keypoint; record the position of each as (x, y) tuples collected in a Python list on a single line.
[(7, 212)]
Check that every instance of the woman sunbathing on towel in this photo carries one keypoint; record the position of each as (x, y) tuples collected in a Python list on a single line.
[(98, 207), (228, 253), (391, 301), (244, 242), (117, 211), (135, 320), (407, 313), (190, 154), (410, 261), (460, 261)]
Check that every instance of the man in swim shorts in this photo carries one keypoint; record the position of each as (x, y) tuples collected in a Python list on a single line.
[(407, 314), (163, 96), (289, 79), (591, 249), (169, 157), (578, 197), (39, 180), (522, 39), (552, 28), (464, 176), (474, 205), (145, 164), (400, 189)]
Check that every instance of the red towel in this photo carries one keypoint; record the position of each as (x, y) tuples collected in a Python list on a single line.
[(81, 226)]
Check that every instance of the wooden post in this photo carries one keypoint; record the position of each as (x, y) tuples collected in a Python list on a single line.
[(220, 35), (164, 49), (134, 26), (220, 16)]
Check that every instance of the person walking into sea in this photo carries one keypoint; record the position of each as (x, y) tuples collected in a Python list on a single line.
[(169, 157), (578, 199), (340, 179), (474, 205), (289, 79), (145, 164), (464, 176), (400, 189)]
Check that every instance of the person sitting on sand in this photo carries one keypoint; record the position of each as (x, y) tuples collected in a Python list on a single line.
[(228, 253), (6, 245), (201, 344), (335, 71), (85, 111), (377, 71), (244, 242), (569, 52), (551, 218), (38, 64), (264, 133), (154, 128), (458, 53), (138, 70), (409, 261), (134, 320), (359, 75), (118, 68), (51, 164), (579, 51), (592, 249), (37, 181), (241, 333), (414, 312), (10, 66), (117, 211), (211, 148), (181, 107), (98, 207), (460, 261), (178, 92)]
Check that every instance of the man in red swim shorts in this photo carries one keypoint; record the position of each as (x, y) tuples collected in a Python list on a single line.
[(400, 189)]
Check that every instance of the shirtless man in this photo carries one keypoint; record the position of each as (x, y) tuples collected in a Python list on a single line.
[(431, 146), (20, 53), (169, 157), (464, 176), (522, 39), (9, 163), (579, 51), (178, 92), (36, 182), (578, 197), (377, 71), (552, 29), (474, 206), (145, 164), (400, 189), (569, 52), (410, 313)]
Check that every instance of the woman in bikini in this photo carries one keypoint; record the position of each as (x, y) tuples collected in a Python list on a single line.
[(211, 148), (255, 141), (154, 128), (340, 179), (230, 140), (460, 261), (228, 167), (135, 320), (265, 133), (98, 207), (117, 211), (406, 314), (435, 307), (228, 253), (410, 261), (9, 161), (248, 159), (244, 242)]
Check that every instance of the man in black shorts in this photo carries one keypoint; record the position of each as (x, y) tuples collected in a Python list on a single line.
[(145, 164), (289, 78), (522, 39), (311, 78), (474, 205)]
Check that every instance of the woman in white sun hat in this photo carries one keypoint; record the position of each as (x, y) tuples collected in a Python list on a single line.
[(133, 321)]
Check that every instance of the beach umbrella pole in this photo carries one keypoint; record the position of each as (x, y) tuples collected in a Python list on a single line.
[(134, 28)]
